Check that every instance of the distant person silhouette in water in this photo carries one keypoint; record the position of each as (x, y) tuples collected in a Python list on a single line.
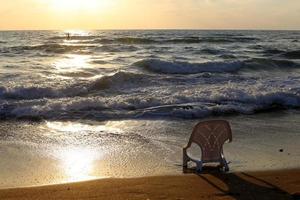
[(68, 36)]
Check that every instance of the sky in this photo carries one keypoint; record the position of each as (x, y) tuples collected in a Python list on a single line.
[(149, 14)]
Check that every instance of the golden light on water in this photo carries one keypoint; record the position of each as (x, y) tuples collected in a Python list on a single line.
[(72, 62), (77, 32)]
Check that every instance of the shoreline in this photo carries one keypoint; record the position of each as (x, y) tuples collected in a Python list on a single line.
[(280, 184)]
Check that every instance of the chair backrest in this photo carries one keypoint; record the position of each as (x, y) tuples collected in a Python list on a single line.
[(210, 136)]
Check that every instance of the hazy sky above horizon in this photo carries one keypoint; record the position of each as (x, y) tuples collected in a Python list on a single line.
[(149, 14)]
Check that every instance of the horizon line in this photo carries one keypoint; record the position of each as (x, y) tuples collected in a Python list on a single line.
[(153, 29)]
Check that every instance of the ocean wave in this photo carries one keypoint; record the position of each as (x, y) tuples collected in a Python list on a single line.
[(131, 40), (119, 80), (211, 40), (292, 54), (89, 44), (269, 64), (271, 51), (74, 37), (116, 48), (187, 40), (212, 51), (101, 40), (48, 48), (29, 93), (226, 100), (99, 61), (225, 105), (289, 54), (166, 67), (26, 93), (114, 82), (126, 40), (149, 40)]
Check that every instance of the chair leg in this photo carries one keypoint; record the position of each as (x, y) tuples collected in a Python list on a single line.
[(185, 158), (199, 166), (224, 165)]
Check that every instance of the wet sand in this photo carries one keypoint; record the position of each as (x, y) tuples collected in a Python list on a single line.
[(55, 152), (208, 185)]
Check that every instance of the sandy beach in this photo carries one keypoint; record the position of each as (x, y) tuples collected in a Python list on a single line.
[(105, 114), (261, 168), (209, 185), (34, 154)]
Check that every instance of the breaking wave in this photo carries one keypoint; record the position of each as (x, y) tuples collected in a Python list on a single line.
[(116, 81), (226, 100), (119, 80), (166, 67), (160, 66), (29, 93)]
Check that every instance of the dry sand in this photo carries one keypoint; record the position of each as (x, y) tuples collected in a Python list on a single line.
[(209, 185)]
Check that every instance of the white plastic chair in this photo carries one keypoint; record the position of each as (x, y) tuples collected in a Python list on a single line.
[(210, 136)]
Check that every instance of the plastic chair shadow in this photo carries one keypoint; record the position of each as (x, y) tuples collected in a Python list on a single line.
[(241, 186)]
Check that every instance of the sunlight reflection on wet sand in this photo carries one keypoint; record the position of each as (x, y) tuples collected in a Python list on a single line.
[(79, 127), (77, 163)]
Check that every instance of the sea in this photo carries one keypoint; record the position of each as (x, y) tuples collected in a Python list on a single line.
[(127, 100), (105, 75)]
